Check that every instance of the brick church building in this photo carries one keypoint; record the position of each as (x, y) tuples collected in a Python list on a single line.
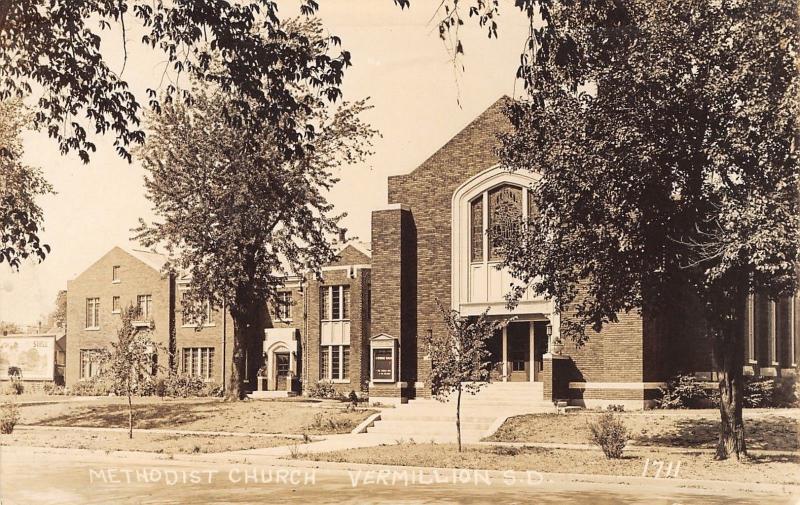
[(359, 326)]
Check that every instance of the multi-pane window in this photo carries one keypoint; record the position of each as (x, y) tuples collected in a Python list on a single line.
[(144, 303), (498, 212), (198, 362), (505, 215), (115, 306), (90, 362), (92, 312), (284, 309), (334, 362), (335, 303), (115, 273)]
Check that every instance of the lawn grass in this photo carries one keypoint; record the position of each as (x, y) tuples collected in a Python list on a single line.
[(774, 430), (253, 416), (145, 442), (693, 465)]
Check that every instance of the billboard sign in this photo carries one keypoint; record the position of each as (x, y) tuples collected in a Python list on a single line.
[(27, 357)]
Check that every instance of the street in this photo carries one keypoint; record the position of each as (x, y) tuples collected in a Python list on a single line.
[(80, 479)]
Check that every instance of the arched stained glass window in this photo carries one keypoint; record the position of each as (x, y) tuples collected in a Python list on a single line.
[(476, 229), (505, 215)]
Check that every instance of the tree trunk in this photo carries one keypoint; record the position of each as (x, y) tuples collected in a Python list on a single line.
[(458, 417), (729, 358), (249, 318), (130, 410), (731, 389)]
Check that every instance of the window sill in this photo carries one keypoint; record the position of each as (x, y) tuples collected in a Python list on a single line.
[(212, 325), (116, 282), (116, 311), (92, 328), (339, 381)]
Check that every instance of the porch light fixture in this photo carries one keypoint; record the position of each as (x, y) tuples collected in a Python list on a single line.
[(549, 330)]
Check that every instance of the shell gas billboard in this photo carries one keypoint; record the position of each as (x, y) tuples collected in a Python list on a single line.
[(27, 357)]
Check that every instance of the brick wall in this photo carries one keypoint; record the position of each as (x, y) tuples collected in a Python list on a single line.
[(135, 278), (210, 335), (394, 294), (428, 192), (359, 286)]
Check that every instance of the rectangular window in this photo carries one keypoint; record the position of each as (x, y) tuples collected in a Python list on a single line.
[(115, 308), (334, 362), (90, 363), (209, 312), (335, 303), (284, 309), (324, 357), (145, 306), (92, 312), (115, 273), (198, 362)]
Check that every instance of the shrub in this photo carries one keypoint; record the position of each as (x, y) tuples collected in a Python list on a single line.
[(329, 422), (758, 392), (183, 386), (681, 392), (15, 387), (213, 389), (615, 408), (610, 433), (322, 389), (9, 416), (95, 386), (54, 389)]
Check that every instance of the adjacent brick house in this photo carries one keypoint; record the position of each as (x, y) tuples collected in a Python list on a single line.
[(96, 298), (359, 323)]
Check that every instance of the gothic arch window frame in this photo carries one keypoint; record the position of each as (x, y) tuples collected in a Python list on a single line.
[(461, 222)]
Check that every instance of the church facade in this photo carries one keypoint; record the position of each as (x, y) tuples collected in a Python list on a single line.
[(359, 325)]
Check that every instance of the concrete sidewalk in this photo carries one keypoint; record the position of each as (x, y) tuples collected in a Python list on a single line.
[(24, 427)]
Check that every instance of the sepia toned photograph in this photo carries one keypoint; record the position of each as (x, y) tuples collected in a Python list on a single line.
[(399, 252)]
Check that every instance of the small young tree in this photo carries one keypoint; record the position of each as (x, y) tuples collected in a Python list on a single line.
[(130, 366), (459, 357)]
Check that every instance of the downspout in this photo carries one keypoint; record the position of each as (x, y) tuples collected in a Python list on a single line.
[(304, 350), (224, 346)]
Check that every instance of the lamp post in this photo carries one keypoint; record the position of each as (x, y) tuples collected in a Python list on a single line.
[(556, 347)]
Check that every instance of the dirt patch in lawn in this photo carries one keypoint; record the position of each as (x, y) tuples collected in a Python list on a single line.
[(692, 465), (198, 415), (145, 442), (694, 429)]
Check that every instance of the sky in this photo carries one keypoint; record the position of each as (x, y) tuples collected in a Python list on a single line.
[(420, 101)]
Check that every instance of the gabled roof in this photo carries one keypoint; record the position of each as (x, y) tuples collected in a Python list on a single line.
[(152, 259), (490, 123)]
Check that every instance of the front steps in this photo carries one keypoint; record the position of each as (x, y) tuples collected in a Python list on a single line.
[(427, 419)]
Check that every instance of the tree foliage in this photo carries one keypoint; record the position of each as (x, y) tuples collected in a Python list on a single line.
[(53, 51), (20, 187), (665, 135), (459, 357), (236, 211), (130, 366)]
